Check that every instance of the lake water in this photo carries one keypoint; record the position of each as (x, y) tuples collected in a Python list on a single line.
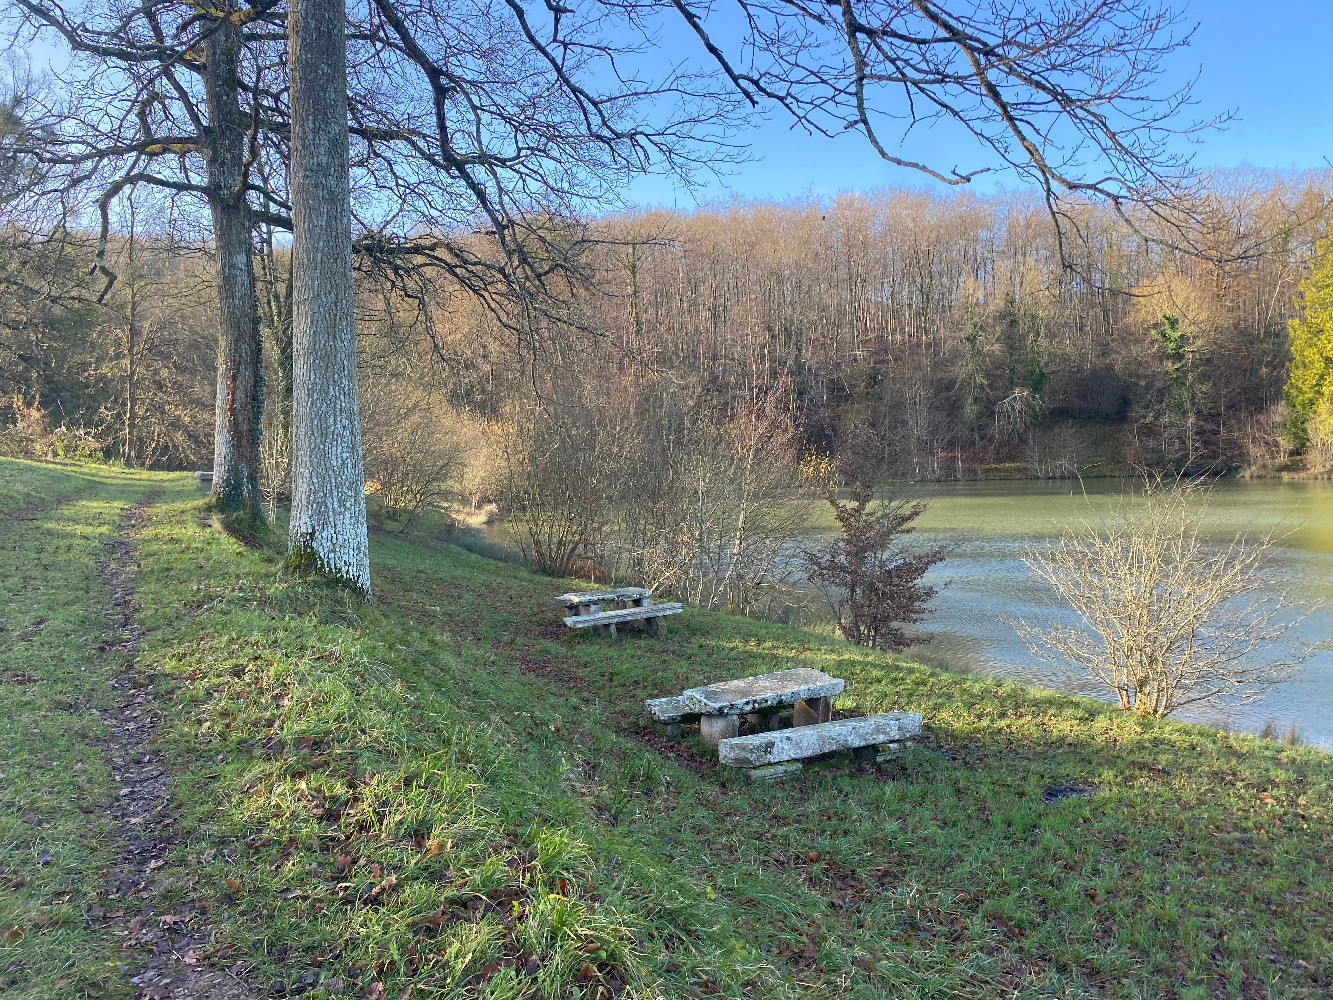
[(986, 527)]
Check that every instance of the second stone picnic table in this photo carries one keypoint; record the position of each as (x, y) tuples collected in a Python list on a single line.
[(760, 698)]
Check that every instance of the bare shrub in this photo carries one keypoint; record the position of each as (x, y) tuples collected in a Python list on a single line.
[(644, 481), (1319, 442), (1168, 618), (1262, 442), (557, 462), (719, 521), (275, 461), (1055, 453), (412, 455)]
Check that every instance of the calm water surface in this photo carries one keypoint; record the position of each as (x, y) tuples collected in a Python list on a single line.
[(986, 527)]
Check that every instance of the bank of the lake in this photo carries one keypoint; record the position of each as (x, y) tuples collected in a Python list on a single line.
[(985, 526)]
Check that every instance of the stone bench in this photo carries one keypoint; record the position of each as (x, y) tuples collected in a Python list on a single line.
[(585, 598), (648, 613), (772, 755)]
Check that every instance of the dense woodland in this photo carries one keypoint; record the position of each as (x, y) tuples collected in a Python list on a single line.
[(948, 323)]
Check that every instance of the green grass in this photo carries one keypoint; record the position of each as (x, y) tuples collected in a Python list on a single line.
[(448, 791), (54, 527)]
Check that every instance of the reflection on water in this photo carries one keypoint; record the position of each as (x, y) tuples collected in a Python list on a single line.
[(987, 526)]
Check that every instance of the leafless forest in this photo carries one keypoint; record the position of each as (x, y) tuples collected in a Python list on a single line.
[(947, 322)]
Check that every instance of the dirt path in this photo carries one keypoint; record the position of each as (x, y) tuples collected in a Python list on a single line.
[(171, 948)]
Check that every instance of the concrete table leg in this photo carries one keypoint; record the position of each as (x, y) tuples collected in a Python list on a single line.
[(716, 728)]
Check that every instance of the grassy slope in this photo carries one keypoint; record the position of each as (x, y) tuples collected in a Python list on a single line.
[(448, 790)]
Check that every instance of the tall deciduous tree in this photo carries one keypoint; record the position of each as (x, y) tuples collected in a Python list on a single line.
[(154, 99), (238, 402), (328, 523)]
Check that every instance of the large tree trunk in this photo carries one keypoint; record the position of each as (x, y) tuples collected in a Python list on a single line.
[(237, 412), (328, 526)]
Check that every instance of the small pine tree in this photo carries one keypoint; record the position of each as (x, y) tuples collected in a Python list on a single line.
[(972, 378), (1310, 337)]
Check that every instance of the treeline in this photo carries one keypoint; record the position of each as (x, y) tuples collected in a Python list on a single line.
[(953, 325), (129, 375)]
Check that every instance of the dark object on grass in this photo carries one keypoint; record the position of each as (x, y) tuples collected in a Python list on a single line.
[(1075, 790)]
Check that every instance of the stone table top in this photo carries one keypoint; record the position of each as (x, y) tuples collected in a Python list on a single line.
[(576, 597), (751, 694)]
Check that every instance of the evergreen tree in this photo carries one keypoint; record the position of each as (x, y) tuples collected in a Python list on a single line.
[(1310, 338)]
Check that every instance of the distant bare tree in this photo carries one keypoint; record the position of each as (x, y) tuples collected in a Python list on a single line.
[(1168, 618), (413, 455), (870, 578)]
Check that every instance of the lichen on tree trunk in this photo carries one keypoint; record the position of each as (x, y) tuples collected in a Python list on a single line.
[(328, 524), (239, 394)]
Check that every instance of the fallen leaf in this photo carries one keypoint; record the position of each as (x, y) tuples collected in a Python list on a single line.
[(14, 933), (333, 985), (234, 884), (587, 971), (372, 991), (531, 966), (811, 855)]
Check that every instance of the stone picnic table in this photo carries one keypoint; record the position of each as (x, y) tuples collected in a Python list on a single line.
[(628, 604), (760, 699), (767, 752)]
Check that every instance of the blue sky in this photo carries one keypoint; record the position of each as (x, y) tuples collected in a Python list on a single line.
[(1266, 60)]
